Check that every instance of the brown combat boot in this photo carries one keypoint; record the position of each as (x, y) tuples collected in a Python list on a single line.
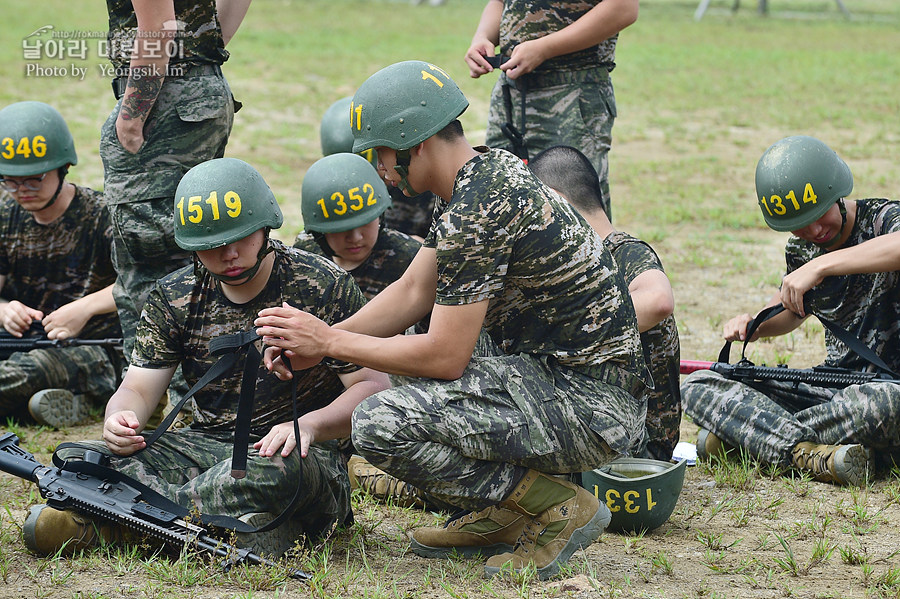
[(840, 464), (488, 532), (561, 517), (47, 531), (381, 485), (709, 445)]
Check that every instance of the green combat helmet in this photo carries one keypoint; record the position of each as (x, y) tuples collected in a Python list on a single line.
[(640, 493), (342, 192), (334, 131), (797, 180), (221, 201), (404, 104), (34, 139)]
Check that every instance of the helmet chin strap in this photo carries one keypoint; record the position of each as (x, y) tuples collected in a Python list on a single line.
[(837, 238), (61, 171), (245, 276), (402, 168)]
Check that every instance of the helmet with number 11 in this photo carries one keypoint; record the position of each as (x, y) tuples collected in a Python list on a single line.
[(401, 106), (798, 179)]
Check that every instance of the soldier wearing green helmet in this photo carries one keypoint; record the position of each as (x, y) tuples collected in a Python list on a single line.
[(56, 273), (343, 201), (409, 215), (223, 212), (843, 265), (507, 254)]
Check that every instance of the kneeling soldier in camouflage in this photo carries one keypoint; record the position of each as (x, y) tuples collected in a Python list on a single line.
[(485, 434)]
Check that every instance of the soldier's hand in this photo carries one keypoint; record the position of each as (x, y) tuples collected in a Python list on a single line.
[(282, 437), (475, 57), (795, 285), (130, 133), (293, 330), (736, 328), (524, 58), (65, 322), (120, 432), (17, 317)]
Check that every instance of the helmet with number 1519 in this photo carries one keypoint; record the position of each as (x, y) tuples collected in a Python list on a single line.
[(404, 104), (221, 201), (798, 179)]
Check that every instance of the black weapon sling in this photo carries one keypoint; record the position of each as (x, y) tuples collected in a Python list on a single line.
[(230, 348)]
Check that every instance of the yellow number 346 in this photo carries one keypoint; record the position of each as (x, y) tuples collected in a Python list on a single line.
[(36, 145)]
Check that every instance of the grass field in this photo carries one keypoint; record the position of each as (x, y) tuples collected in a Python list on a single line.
[(699, 101)]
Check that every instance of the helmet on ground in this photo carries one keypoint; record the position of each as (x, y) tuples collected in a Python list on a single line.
[(404, 104), (34, 139), (335, 134), (640, 493), (342, 192), (221, 201), (798, 179)]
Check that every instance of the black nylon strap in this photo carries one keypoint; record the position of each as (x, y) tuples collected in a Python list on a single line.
[(244, 413)]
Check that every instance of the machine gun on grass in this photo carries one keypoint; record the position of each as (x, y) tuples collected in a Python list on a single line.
[(116, 500)]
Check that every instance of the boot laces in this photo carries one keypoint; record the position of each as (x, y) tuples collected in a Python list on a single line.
[(817, 460)]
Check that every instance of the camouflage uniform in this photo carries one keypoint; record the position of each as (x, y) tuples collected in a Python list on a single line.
[(561, 398), (388, 261), (661, 351), (410, 215), (867, 305), (569, 99), (189, 124), (192, 466), (49, 266)]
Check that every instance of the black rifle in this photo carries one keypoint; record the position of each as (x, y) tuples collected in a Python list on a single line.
[(34, 338), (118, 502), (820, 376)]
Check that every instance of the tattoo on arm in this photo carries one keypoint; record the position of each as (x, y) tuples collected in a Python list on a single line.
[(145, 88)]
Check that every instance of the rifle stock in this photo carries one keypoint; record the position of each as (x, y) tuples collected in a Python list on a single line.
[(120, 503)]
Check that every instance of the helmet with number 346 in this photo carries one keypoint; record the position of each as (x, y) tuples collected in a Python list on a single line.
[(34, 139), (221, 201), (640, 493), (404, 104), (798, 179), (342, 192)]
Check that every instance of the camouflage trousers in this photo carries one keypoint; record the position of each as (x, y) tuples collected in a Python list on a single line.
[(467, 442), (193, 468), (759, 419), (189, 124), (83, 370), (572, 108)]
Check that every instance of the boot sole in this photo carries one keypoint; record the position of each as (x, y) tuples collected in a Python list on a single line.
[(581, 538), (854, 466), (58, 408), (462, 551)]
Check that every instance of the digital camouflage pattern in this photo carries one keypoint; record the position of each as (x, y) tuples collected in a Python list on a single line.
[(412, 216), (524, 20), (561, 399), (554, 288), (46, 267), (189, 124), (867, 305), (388, 261), (199, 38), (760, 421), (467, 442), (662, 351), (569, 99), (184, 312)]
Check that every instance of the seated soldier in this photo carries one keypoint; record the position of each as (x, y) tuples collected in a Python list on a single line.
[(238, 270), (567, 171), (56, 274), (842, 265), (409, 215)]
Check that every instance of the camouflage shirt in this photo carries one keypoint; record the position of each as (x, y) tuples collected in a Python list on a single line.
[(867, 305), (49, 266), (388, 261), (199, 38), (524, 20), (184, 312), (661, 346), (410, 215), (554, 288)]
